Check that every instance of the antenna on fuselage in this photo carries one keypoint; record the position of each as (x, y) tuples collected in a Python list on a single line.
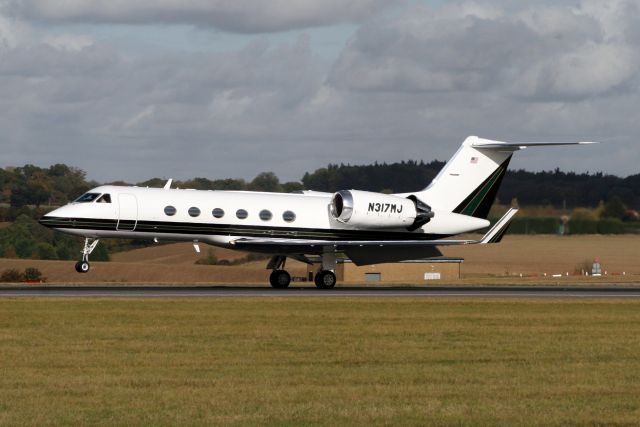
[(168, 184)]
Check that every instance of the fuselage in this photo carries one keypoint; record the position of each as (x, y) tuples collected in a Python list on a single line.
[(219, 217)]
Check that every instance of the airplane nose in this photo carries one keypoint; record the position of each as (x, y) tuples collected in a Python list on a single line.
[(51, 218), (47, 221)]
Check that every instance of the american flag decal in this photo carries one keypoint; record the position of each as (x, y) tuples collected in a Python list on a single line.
[(474, 160)]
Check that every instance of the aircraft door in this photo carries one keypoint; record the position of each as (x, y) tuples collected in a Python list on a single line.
[(127, 212)]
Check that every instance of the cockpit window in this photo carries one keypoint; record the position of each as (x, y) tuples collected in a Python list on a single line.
[(87, 198), (106, 198)]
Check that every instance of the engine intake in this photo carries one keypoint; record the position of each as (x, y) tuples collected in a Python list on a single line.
[(376, 210)]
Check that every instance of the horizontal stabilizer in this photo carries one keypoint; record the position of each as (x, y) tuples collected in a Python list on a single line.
[(499, 228), (476, 142)]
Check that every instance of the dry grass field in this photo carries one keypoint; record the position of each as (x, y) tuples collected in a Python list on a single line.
[(515, 255), (173, 263), (274, 361), (550, 254)]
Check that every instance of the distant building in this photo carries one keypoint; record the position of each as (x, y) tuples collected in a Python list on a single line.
[(410, 272)]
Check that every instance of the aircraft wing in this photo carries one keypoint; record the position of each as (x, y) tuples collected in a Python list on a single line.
[(494, 235), (247, 242)]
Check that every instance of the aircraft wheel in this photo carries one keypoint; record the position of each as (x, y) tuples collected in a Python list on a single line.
[(82, 266), (280, 279), (325, 279)]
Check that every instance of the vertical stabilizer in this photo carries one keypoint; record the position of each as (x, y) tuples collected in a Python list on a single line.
[(469, 183)]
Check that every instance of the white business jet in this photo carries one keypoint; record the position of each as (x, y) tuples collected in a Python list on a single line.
[(367, 227)]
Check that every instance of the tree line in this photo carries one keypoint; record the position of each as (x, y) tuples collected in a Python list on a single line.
[(549, 188), (58, 184), (27, 192)]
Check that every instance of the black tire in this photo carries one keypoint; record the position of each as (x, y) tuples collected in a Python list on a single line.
[(82, 267), (325, 279), (279, 279)]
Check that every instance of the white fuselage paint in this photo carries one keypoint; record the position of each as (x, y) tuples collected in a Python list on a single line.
[(135, 211)]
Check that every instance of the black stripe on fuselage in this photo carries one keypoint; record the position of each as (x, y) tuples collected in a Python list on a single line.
[(164, 227)]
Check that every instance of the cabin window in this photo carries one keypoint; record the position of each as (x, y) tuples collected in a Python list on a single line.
[(217, 213), (265, 215), (106, 198), (242, 214), (289, 216), (87, 198), (170, 211), (194, 212)]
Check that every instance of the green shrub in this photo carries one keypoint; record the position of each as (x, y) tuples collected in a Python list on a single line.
[(610, 226), (209, 260), (32, 273), (100, 253), (46, 251), (11, 276), (533, 225), (583, 226)]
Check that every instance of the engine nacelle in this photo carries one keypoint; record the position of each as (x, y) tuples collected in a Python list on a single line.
[(376, 210)]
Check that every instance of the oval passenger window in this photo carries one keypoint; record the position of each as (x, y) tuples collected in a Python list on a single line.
[(265, 215), (242, 214), (170, 211), (217, 213), (289, 216)]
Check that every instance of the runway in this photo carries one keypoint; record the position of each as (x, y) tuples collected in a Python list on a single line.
[(230, 291)]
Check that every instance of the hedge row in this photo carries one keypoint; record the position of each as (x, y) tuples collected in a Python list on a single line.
[(551, 225)]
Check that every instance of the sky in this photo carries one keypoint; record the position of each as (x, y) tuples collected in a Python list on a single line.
[(134, 89)]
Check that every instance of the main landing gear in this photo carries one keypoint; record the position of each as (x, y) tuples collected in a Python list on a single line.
[(279, 278), (90, 244), (324, 279)]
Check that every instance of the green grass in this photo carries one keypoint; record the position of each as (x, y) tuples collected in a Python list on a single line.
[(319, 362)]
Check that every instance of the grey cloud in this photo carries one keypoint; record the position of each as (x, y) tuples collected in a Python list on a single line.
[(103, 110), (568, 26), (406, 86), (546, 53), (590, 70), (11, 31), (467, 54), (242, 16)]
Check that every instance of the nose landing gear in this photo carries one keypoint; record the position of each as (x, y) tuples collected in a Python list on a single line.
[(90, 244)]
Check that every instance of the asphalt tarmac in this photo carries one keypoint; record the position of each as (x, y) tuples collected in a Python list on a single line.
[(186, 291)]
